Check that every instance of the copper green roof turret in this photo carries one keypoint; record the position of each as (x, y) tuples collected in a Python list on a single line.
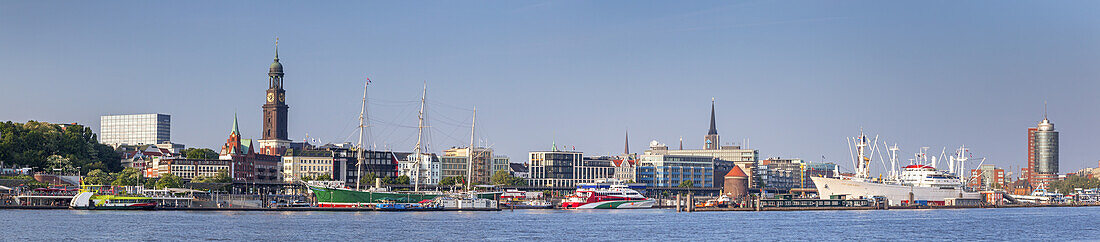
[(235, 130)]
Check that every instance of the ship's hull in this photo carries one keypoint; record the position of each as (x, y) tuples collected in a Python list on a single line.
[(618, 204), (134, 206), (344, 198), (338, 198), (896, 194)]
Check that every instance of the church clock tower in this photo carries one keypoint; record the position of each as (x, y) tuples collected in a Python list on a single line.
[(275, 139)]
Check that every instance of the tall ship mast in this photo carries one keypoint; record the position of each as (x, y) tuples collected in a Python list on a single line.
[(419, 138), (359, 155)]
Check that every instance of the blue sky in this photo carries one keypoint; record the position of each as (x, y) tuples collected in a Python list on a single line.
[(792, 78)]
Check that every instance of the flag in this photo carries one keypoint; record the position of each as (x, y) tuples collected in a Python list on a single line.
[(368, 80)]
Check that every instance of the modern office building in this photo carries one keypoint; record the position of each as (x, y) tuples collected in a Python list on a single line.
[(1042, 155), (782, 175), (673, 170), (135, 129), (557, 168), (987, 177), (301, 165), (454, 162)]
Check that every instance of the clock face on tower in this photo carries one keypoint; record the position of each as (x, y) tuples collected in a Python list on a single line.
[(270, 97), (282, 97)]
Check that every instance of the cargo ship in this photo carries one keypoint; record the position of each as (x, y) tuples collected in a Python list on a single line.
[(914, 183)]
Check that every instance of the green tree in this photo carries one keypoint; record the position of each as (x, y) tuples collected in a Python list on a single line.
[(324, 177), (150, 183), (128, 177), (221, 177), (97, 177), (687, 183), (401, 180), (1072, 182), (169, 181), (199, 153), (453, 181), (367, 179), (506, 178), (30, 144)]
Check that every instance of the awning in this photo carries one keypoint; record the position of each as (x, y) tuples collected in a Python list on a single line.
[(5, 188)]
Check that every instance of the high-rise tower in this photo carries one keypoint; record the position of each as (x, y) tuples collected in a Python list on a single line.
[(711, 140), (275, 139), (1042, 154)]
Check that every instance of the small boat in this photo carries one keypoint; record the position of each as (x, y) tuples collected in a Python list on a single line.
[(512, 198), (392, 206), (95, 197), (466, 201)]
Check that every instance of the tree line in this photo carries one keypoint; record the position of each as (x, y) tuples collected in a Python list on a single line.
[(134, 177), (45, 146)]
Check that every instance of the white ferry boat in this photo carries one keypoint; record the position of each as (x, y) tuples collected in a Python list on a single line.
[(613, 195), (915, 183)]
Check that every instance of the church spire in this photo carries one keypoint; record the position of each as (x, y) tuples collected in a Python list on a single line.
[(626, 146), (713, 128), (711, 140)]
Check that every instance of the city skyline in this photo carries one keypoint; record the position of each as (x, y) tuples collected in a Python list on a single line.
[(793, 83)]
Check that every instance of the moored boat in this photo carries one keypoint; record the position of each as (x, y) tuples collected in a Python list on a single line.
[(95, 198), (614, 196)]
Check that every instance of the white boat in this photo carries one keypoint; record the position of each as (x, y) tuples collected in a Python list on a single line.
[(606, 196), (916, 183)]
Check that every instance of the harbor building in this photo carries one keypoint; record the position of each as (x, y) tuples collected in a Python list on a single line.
[(784, 175), (987, 177), (557, 168), (1042, 155), (673, 170), (248, 166), (347, 168), (188, 169), (430, 168), (454, 162), (736, 183), (519, 170), (135, 129), (275, 140), (301, 165), (742, 157)]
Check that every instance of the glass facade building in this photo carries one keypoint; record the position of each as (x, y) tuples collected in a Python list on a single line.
[(671, 170), (135, 129)]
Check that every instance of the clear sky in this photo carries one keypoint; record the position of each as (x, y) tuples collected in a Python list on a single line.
[(792, 78)]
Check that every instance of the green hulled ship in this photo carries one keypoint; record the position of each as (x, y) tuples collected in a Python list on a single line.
[(339, 197)]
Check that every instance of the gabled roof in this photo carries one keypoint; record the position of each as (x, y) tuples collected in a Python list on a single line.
[(736, 172)]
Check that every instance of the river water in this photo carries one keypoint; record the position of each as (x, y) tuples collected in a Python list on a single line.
[(1031, 224)]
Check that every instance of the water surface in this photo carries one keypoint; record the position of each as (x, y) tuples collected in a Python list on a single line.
[(599, 225)]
